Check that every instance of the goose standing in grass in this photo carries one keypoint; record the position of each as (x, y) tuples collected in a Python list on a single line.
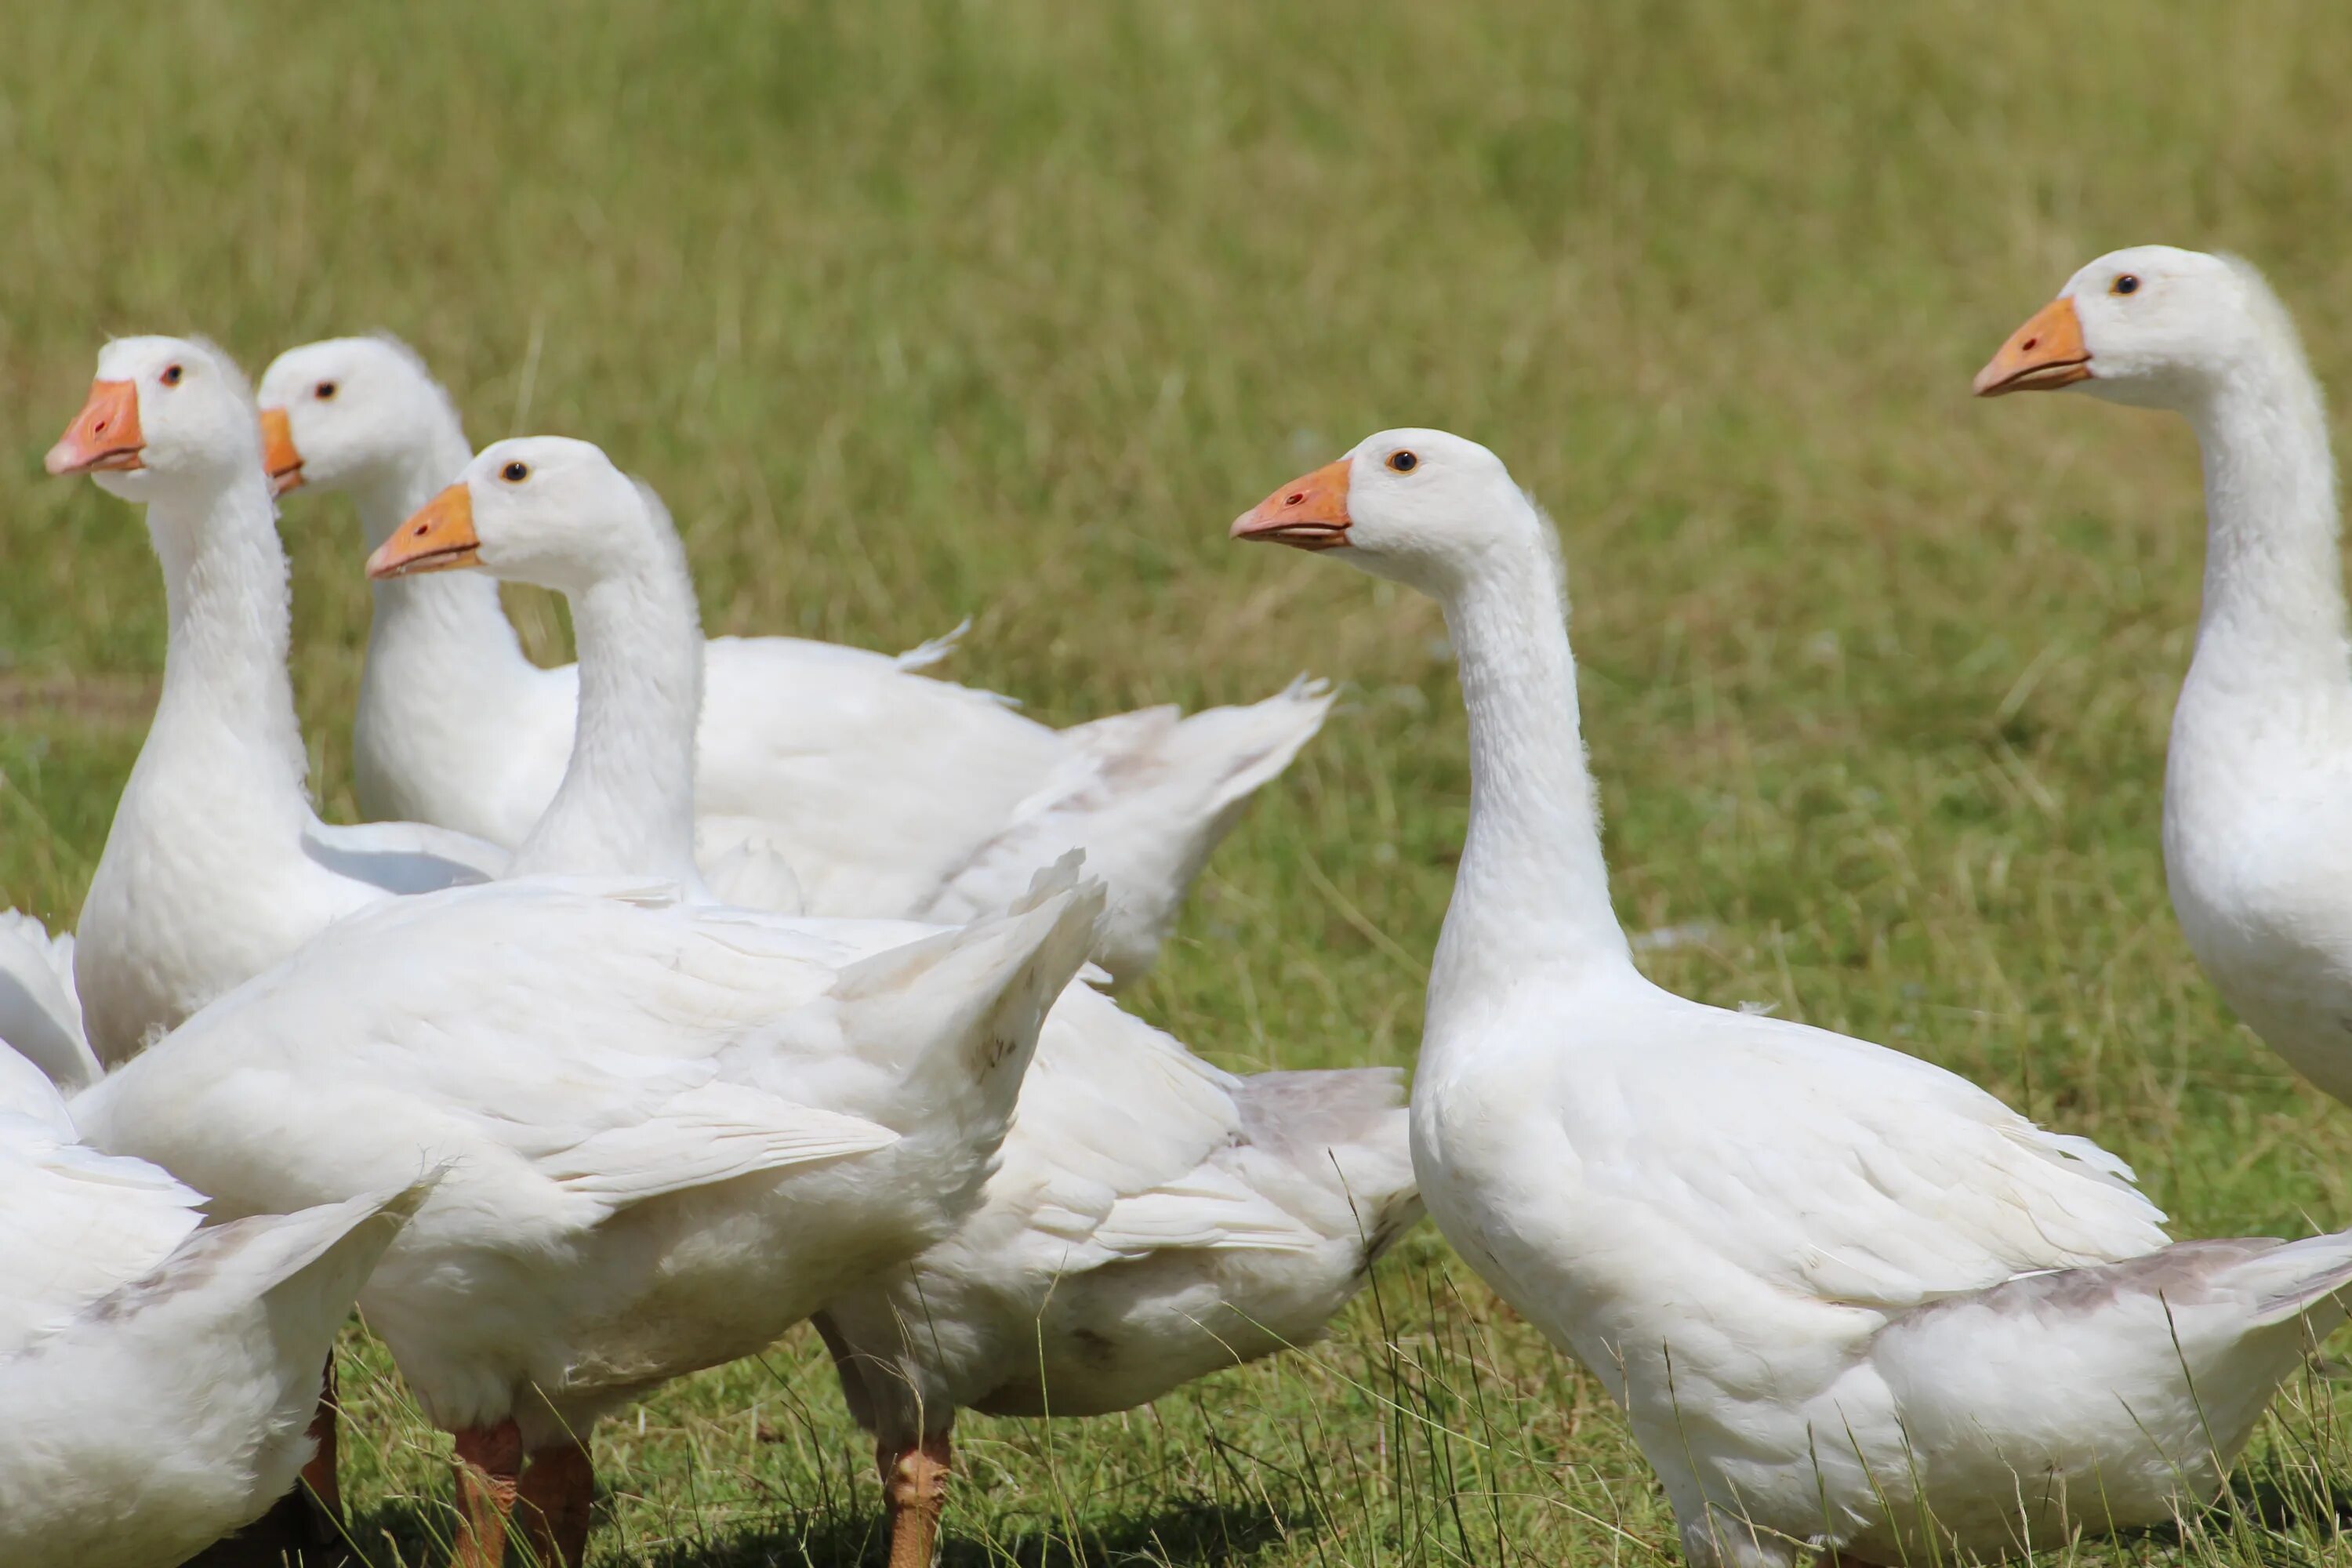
[(668, 1132), (1849, 1303), (2258, 779), (157, 1376), (1156, 1219), (215, 866), (889, 794)]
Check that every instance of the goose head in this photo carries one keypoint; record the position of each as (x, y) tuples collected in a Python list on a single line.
[(346, 412), (536, 508), (1423, 507), (2152, 325), (162, 411)]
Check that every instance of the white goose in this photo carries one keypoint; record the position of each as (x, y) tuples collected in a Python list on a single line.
[(215, 866), (2258, 780), (1155, 1219), (1849, 1302), (889, 794), (157, 1377), (669, 1133)]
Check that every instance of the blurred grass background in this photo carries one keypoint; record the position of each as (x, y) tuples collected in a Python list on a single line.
[(921, 308)]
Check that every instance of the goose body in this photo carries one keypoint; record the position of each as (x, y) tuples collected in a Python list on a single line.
[(159, 1378), (2258, 776), (887, 794), (1155, 1219), (670, 1131), (1848, 1300), (215, 866)]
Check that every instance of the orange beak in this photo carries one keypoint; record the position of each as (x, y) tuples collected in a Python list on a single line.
[(439, 538), (1308, 513), (2043, 355), (277, 453), (104, 436)]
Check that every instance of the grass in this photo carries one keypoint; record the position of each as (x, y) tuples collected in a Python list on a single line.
[(928, 308)]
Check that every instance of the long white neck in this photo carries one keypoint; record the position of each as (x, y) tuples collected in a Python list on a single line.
[(443, 624), (2271, 656), (2271, 689), (227, 704), (626, 803), (1532, 892)]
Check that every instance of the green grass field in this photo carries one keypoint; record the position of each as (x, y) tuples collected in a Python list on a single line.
[(1001, 308)]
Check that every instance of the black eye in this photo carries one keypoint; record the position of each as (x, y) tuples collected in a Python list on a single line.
[(171, 375), (2126, 284), (323, 391), (1403, 462), (515, 473)]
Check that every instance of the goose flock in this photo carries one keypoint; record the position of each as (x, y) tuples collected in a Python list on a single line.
[(712, 986)]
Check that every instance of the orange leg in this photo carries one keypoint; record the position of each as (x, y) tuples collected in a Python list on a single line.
[(490, 1469), (915, 1483), (558, 1497)]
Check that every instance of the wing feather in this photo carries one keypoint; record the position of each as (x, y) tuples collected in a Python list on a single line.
[(1849, 1172), (75, 1225)]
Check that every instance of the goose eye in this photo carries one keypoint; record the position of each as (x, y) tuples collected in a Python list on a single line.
[(323, 391), (515, 473), (2126, 284), (1403, 462), (171, 375)]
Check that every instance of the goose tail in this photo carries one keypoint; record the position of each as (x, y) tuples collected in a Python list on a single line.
[(2294, 1280), (308, 1265), (41, 1012), (1347, 1128), (1148, 795), (960, 1011)]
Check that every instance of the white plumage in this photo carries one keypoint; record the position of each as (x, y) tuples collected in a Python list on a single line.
[(669, 1133), (158, 1378), (1154, 1219), (2258, 778), (215, 866), (40, 1016), (886, 792), (1849, 1300)]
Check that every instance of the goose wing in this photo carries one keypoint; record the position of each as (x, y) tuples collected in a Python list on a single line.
[(1842, 1171)]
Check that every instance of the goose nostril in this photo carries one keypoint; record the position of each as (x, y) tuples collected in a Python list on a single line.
[(2027, 343), (1294, 499)]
